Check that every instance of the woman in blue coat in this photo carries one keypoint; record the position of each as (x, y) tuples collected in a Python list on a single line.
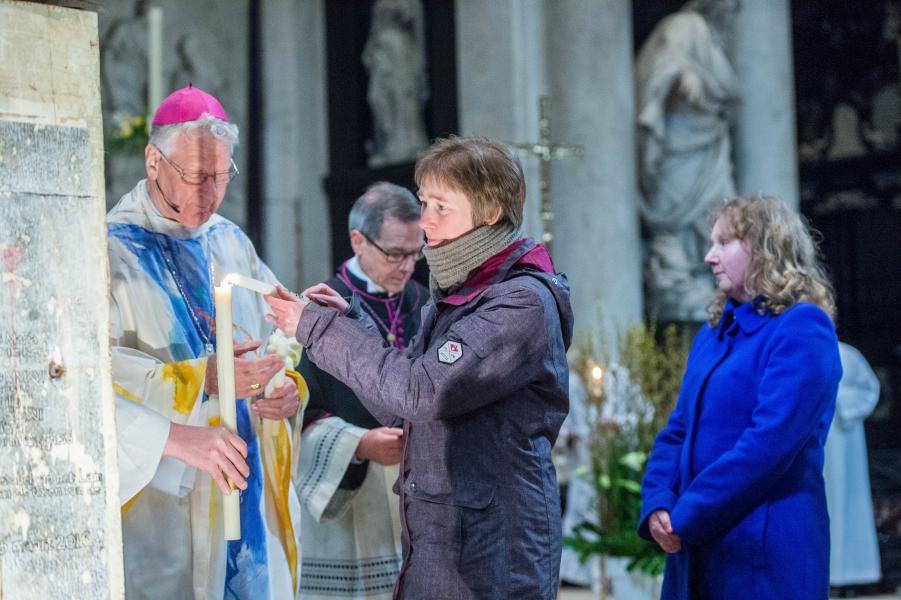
[(734, 487)]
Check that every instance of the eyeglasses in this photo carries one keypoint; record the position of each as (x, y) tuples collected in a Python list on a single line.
[(395, 257), (197, 178)]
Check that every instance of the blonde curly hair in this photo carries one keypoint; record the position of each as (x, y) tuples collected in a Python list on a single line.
[(785, 266)]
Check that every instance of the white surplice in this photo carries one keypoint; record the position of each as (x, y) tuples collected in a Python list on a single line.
[(351, 537), (854, 550)]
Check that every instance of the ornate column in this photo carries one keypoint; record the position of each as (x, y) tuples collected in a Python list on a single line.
[(590, 55), (766, 154)]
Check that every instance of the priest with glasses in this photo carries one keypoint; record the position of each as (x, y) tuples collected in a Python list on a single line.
[(348, 460)]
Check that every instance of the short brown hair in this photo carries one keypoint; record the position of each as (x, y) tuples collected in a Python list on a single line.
[(484, 170)]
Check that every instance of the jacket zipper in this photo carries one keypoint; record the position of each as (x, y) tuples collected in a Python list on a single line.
[(403, 509)]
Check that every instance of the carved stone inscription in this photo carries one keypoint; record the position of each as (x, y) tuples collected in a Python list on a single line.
[(53, 355)]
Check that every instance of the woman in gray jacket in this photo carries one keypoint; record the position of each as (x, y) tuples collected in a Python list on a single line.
[(481, 392)]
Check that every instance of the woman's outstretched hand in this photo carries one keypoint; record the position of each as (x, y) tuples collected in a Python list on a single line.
[(286, 309), (326, 296)]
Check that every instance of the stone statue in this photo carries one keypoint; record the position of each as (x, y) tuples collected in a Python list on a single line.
[(686, 91), (394, 56), (193, 64), (123, 60)]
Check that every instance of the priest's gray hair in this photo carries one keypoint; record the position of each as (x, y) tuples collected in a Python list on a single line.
[(165, 136), (381, 200)]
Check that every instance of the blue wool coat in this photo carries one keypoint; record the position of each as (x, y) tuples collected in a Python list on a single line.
[(739, 465)]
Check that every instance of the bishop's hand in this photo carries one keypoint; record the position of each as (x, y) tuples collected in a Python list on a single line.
[(251, 374), (215, 450), (281, 404)]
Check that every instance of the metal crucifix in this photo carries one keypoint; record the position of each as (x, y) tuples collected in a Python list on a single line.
[(546, 151)]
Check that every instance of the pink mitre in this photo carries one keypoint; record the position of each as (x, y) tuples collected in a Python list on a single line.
[(187, 104)]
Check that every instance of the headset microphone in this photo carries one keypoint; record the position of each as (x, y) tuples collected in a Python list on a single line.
[(166, 200)]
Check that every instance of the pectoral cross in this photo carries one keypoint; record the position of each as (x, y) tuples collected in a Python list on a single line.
[(546, 151)]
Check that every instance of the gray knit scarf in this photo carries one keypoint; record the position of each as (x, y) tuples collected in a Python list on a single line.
[(451, 264)]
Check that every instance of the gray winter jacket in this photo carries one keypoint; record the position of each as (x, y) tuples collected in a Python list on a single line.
[(482, 392)]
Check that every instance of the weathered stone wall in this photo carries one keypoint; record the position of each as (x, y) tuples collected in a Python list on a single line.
[(59, 507)]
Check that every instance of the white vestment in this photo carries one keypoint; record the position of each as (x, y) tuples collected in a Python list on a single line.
[(581, 499), (854, 555), (161, 323), (362, 524)]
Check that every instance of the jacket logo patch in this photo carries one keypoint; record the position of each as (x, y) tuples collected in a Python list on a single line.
[(450, 352)]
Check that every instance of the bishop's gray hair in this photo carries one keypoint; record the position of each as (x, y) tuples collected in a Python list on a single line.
[(164, 136), (382, 200)]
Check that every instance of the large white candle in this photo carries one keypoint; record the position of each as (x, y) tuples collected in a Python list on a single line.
[(260, 287), (228, 414), (154, 57)]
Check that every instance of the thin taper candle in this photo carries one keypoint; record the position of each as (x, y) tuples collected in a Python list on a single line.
[(260, 287)]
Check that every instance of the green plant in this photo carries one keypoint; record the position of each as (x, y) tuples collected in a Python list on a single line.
[(629, 397), (130, 135)]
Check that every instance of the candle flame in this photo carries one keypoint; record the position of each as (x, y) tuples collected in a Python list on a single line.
[(597, 373)]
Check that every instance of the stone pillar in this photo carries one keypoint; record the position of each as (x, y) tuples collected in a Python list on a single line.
[(60, 518), (500, 76), (296, 226), (766, 153), (596, 233)]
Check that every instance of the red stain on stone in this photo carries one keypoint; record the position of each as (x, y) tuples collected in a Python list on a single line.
[(11, 257)]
